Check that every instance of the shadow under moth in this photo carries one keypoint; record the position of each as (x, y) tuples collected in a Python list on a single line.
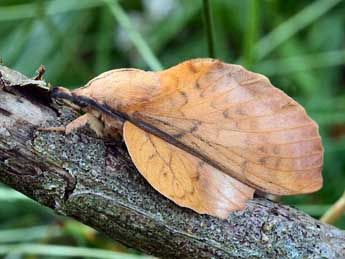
[(204, 133)]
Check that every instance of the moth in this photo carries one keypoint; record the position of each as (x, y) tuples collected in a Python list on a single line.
[(204, 133)]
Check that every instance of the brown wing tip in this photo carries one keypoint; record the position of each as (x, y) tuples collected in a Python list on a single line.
[(315, 184), (247, 193), (224, 213), (309, 185)]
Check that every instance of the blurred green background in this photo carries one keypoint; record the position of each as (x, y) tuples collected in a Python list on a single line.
[(299, 45)]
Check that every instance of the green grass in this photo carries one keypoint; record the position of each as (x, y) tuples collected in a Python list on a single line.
[(299, 45)]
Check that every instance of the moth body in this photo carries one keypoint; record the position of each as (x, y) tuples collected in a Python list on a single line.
[(206, 134)]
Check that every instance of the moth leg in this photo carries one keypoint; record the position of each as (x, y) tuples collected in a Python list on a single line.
[(76, 124), (112, 128), (72, 105), (95, 124), (59, 129)]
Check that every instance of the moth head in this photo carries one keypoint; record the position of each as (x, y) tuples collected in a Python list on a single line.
[(121, 89), (66, 94)]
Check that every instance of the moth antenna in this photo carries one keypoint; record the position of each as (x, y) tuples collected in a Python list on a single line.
[(60, 92)]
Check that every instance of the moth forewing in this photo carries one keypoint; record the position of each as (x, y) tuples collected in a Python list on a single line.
[(221, 115)]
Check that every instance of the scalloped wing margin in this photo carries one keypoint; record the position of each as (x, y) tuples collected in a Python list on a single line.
[(184, 178), (241, 124)]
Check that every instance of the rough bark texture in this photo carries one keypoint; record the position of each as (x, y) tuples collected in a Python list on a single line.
[(95, 182)]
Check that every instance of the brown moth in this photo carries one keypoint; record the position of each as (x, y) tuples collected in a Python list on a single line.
[(204, 133)]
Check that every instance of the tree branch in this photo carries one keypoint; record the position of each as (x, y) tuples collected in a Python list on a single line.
[(95, 182)]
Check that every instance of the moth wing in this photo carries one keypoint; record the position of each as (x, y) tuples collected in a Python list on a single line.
[(182, 177), (237, 121)]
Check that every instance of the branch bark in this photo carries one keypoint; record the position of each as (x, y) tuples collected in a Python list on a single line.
[(95, 182)]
